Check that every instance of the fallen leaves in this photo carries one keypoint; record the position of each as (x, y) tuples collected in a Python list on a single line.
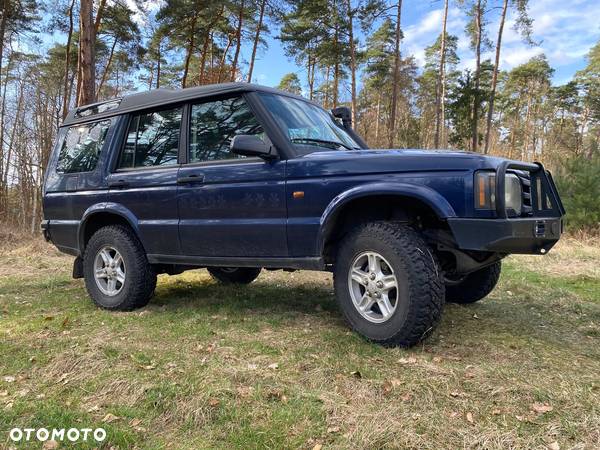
[(136, 425), (389, 385), (134, 422), (541, 408), (409, 360), (50, 445), (277, 395), (109, 418)]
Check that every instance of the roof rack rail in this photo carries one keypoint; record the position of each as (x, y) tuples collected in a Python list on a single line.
[(97, 108)]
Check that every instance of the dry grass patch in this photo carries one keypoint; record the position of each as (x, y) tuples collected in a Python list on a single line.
[(272, 365)]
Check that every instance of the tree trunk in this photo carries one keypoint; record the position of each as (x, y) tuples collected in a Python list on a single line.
[(336, 66), (377, 118), (238, 38), (11, 143), (224, 59), (475, 118), (312, 62), (3, 30), (261, 15), (207, 42), (107, 68), (99, 15), (352, 61), (158, 67), (441, 84), (488, 125), (88, 57), (190, 50), (396, 79), (67, 85), (2, 118), (203, 57)]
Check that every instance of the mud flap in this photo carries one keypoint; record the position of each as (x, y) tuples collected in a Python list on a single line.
[(78, 268)]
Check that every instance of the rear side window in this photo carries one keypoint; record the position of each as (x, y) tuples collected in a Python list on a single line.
[(152, 140), (81, 148)]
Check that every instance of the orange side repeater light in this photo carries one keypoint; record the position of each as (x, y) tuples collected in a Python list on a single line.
[(481, 192)]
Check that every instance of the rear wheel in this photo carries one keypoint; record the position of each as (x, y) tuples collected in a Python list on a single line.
[(116, 271), (234, 275), (388, 284), (474, 286)]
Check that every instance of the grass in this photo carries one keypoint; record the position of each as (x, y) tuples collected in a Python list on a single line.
[(272, 365)]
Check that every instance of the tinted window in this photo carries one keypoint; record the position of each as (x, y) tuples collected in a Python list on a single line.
[(214, 124), (81, 148), (152, 140)]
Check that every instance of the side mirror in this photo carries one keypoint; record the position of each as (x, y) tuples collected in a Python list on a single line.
[(344, 114), (250, 145)]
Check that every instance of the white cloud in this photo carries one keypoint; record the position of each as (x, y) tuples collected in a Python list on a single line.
[(565, 31)]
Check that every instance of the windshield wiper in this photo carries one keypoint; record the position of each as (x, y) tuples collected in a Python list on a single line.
[(323, 141)]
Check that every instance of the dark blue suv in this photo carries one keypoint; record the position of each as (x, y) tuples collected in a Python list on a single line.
[(238, 177)]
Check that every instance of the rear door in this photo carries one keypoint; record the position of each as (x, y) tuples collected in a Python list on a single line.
[(144, 180), (229, 205)]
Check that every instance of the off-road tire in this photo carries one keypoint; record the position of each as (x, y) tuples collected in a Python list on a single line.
[(140, 280), (234, 275), (475, 286), (420, 293)]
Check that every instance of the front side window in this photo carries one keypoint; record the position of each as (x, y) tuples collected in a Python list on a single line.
[(81, 147), (306, 124), (214, 124), (152, 140)]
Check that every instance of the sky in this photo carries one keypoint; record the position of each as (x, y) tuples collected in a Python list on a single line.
[(565, 31)]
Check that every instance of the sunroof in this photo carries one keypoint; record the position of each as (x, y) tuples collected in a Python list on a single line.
[(97, 109)]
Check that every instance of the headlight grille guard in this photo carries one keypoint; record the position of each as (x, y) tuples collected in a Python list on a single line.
[(544, 195)]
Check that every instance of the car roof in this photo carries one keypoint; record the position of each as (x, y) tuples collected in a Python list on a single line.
[(160, 97)]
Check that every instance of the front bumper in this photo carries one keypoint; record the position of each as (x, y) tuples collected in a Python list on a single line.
[(536, 232), (532, 235)]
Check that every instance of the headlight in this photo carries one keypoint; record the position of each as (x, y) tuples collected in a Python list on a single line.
[(485, 191)]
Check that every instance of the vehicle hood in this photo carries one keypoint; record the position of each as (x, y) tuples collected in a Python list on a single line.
[(391, 161)]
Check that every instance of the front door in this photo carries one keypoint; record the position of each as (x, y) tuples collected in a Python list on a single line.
[(229, 205)]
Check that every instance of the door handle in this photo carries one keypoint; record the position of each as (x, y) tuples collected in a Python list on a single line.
[(118, 184), (194, 178)]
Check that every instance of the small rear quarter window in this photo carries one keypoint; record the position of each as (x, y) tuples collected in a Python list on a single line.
[(81, 147)]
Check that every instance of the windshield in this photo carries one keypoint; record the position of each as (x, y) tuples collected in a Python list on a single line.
[(306, 124)]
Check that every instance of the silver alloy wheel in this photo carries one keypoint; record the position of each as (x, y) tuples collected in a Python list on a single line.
[(109, 271), (373, 287)]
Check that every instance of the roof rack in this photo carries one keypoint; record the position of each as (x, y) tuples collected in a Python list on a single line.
[(97, 108)]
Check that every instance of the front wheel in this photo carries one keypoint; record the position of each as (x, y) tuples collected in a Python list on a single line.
[(475, 286), (234, 275), (388, 284), (116, 271)]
